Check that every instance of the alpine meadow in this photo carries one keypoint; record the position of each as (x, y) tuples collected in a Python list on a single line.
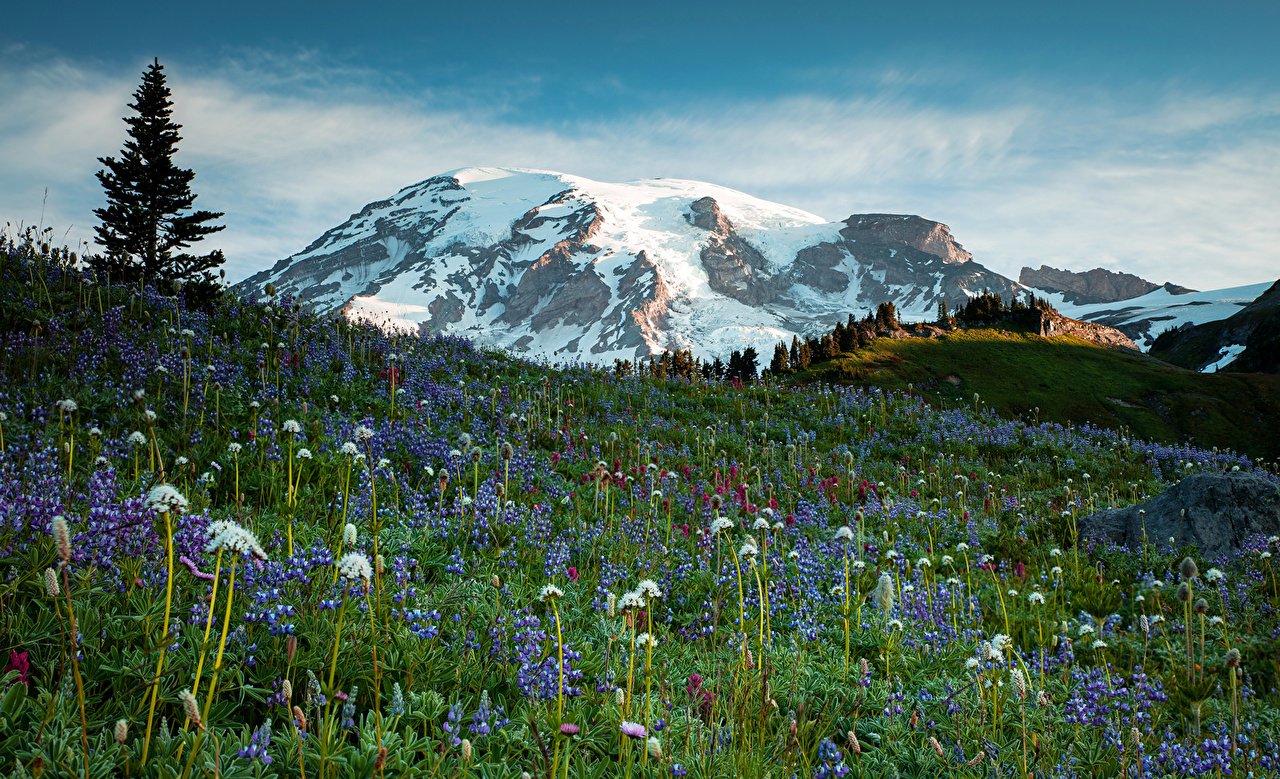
[(517, 473)]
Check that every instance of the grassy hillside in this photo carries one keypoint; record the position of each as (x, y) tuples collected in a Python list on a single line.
[(248, 542), (1065, 380)]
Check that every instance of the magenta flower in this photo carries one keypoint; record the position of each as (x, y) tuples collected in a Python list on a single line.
[(19, 662), (633, 729), (573, 574), (569, 729)]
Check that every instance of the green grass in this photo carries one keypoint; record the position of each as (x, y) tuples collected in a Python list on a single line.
[(1065, 379)]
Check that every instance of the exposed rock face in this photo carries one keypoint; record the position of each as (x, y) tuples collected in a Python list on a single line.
[(1218, 513), (1056, 324), (565, 267), (1095, 286), (913, 232), (898, 257), (734, 267)]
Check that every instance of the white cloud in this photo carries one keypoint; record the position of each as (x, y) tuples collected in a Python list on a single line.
[(1177, 186)]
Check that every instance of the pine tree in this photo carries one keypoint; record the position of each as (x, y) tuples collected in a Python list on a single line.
[(750, 365), (148, 220), (781, 360)]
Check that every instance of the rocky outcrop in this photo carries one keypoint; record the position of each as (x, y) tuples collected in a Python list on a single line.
[(734, 267), (1054, 324), (1218, 512), (1094, 286)]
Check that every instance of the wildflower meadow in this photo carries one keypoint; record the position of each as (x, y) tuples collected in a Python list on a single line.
[(245, 541)]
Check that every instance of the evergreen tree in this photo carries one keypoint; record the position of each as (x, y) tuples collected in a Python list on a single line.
[(781, 360), (148, 220), (829, 350), (886, 316), (806, 355), (749, 365)]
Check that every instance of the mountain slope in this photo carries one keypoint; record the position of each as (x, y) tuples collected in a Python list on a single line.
[(559, 266), (1145, 317), (1247, 341)]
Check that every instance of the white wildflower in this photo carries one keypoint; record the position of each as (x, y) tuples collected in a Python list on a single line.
[(355, 567), (164, 498), (630, 601), (718, 524), (648, 588), (228, 535)]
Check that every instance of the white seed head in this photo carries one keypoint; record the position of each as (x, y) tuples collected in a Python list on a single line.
[(62, 538), (191, 708)]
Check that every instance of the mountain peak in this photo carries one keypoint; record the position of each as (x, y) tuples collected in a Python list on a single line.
[(551, 264)]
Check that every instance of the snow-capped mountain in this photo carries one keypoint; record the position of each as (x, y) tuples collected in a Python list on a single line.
[(553, 265)]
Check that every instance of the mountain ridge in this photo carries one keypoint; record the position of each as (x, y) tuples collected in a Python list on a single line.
[(559, 266), (1098, 285)]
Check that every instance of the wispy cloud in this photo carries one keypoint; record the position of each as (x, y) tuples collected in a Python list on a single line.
[(1176, 186)]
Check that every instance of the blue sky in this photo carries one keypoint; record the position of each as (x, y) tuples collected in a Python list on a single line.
[(1140, 136)]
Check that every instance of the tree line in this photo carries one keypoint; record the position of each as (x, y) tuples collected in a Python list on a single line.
[(984, 310)]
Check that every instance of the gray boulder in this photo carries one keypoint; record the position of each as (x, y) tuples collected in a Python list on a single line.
[(1222, 512)]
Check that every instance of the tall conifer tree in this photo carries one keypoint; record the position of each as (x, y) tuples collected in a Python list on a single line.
[(148, 221)]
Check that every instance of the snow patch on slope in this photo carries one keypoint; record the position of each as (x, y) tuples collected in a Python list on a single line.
[(1226, 356)]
